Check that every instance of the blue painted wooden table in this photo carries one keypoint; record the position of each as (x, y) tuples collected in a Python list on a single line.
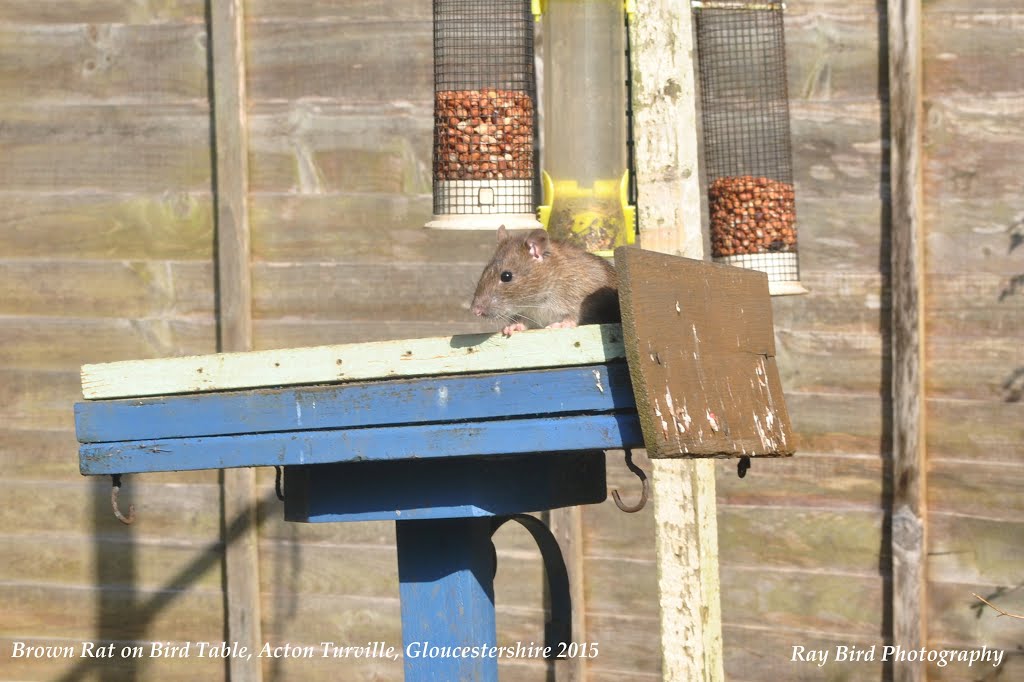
[(446, 457)]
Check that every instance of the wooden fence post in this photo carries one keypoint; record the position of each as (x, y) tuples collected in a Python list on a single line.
[(234, 309), (669, 215), (909, 508)]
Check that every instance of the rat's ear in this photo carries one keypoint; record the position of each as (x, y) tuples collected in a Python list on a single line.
[(537, 243), (502, 234)]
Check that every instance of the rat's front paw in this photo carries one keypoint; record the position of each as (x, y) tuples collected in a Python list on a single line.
[(567, 323), (513, 328)]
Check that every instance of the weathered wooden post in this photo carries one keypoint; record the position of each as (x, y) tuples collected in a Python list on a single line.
[(669, 217)]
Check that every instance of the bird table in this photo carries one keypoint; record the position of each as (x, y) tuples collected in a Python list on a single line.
[(449, 437)]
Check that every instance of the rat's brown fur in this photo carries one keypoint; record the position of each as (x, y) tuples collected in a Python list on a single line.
[(552, 284)]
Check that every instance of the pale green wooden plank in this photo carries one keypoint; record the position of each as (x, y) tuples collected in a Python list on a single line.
[(589, 344)]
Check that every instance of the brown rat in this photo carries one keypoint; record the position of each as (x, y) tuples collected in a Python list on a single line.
[(533, 281)]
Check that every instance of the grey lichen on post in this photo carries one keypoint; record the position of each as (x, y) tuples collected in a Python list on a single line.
[(669, 217)]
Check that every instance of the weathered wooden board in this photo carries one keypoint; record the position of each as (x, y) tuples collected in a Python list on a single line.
[(334, 147), (958, 47), (832, 56), (838, 145), (71, 561), (589, 344), (956, 617), (123, 148), (175, 512), (757, 652), (971, 150), (967, 487), (350, 61), (516, 436), (146, 64), (101, 11), (41, 343), (366, 291), (979, 551), (102, 225), (600, 388), (354, 10), (97, 288), (702, 356), (68, 611), (363, 228), (296, 333)]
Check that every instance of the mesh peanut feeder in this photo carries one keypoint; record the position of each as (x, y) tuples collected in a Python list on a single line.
[(747, 149), (484, 115)]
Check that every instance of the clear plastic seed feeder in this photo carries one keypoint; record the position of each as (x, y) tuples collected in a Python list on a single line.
[(585, 178), (484, 115)]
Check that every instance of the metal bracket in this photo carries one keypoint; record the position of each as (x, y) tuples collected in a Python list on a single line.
[(558, 628)]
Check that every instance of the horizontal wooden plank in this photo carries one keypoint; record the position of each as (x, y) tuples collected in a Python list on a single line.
[(99, 225), (42, 343), (366, 291), (808, 479), (296, 333), (956, 617), (313, 147), (980, 430), (353, 10), (111, 562), (322, 57), (970, 153), (628, 642), (175, 513), (837, 144), (123, 63), (973, 235), (588, 344), (363, 228), (449, 487), (755, 652), (968, 487), (832, 56), (978, 551), (118, 148), (839, 232), (978, 368), (836, 422), (121, 289), (100, 11), (517, 436), (964, 6), (600, 388), (110, 613), (838, 603), (35, 399), (830, 361), (32, 454), (838, 302), (958, 50), (977, 304)]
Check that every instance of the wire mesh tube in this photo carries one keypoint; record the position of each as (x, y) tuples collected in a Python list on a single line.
[(747, 148), (484, 114)]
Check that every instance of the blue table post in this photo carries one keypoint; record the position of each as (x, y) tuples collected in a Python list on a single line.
[(446, 583)]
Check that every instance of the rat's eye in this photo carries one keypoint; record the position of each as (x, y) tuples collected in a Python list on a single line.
[(506, 276)]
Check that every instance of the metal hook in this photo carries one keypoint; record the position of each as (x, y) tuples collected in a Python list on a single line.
[(127, 520), (743, 467), (645, 487), (278, 473)]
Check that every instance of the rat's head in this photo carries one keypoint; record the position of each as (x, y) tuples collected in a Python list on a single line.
[(513, 283)]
